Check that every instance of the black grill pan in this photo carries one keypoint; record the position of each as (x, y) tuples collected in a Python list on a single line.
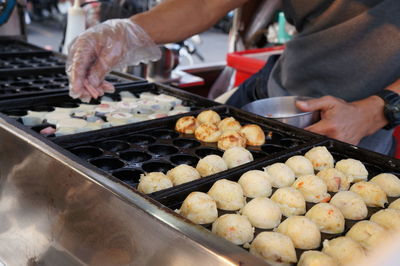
[(17, 47), (374, 162), (14, 64)]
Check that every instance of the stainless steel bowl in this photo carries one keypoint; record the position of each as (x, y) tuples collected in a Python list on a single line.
[(284, 110)]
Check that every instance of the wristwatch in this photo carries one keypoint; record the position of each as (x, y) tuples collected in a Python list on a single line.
[(392, 107)]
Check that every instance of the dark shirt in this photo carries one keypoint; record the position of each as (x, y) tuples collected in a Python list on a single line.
[(345, 48)]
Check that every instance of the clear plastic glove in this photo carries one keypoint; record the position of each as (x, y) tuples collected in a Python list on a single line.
[(113, 44)]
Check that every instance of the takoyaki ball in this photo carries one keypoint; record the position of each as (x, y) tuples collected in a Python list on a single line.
[(320, 158), (208, 116), (344, 250), (315, 258), (353, 169), (235, 228), (300, 165), (290, 201), (281, 175), (395, 205), (303, 232), (327, 217), (255, 183), (236, 156), (387, 218), (274, 248), (368, 234), (152, 182), (334, 179), (211, 164), (262, 213), (228, 195), (389, 183), (207, 132), (313, 188), (230, 139), (186, 125), (200, 208), (254, 135), (182, 174), (229, 123), (371, 193), (350, 204)]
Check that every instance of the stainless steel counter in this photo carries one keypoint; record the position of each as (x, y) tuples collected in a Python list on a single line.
[(54, 211)]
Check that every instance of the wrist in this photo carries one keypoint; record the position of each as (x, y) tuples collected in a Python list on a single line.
[(373, 108)]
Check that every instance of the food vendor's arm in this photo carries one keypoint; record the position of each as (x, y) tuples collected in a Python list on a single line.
[(348, 121)]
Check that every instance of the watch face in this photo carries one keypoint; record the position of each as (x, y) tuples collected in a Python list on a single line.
[(392, 113)]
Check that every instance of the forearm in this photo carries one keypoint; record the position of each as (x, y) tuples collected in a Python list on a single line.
[(176, 20)]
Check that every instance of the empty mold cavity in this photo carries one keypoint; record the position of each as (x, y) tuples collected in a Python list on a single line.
[(42, 108), (128, 176), (141, 139), (113, 145), (66, 105), (15, 112), (29, 89), (287, 142), (203, 152), (165, 134), (157, 167), (373, 170), (8, 91), (87, 152), (52, 87), (186, 143), (162, 150), (20, 84), (273, 136), (272, 148), (135, 156), (107, 163), (184, 159)]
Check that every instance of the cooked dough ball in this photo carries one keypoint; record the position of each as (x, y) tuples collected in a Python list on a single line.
[(228, 195), (371, 193), (274, 248), (255, 183), (290, 201), (327, 217), (353, 169), (313, 188), (153, 182), (236, 156), (186, 125), (262, 213), (320, 158), (230, 139), (211, 164), (182, 174), (281, 175), (344, 250), (395, 204), (350, 204), (368, 234), (389, 183), (387, 218), (235, 228), (315, 258), (200, 208), (208, 116), (229, 123), (334, 179), (254, 134), (300, 165), (207, 132), (303, 232)]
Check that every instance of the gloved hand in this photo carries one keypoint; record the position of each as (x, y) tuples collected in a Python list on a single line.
[(113, 44)]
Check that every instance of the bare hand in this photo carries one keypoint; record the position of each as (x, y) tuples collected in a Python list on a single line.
[(348, 122)]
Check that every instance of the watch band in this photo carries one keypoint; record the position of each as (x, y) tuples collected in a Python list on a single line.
[(392, 107)]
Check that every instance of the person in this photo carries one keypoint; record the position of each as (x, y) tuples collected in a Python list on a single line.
[(345, 52)]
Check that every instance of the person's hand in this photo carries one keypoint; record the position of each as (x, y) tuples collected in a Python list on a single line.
[(348, 122), (110, 45)]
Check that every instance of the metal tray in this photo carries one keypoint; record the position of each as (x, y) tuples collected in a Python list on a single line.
[(17, 47), (374, 162), (13, 64), (39, 82), (19, 107), (128, 151)]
